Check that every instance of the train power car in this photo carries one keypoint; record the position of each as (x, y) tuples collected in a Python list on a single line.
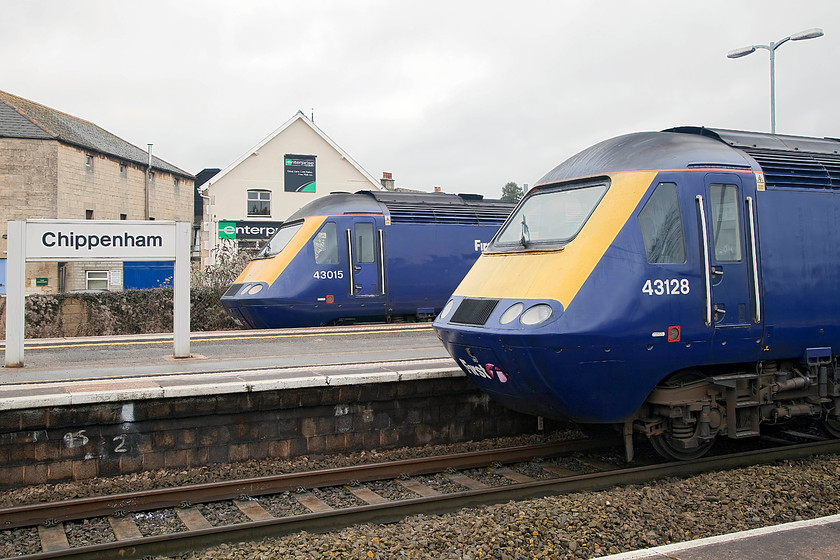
[(682, 284), (364, 256)]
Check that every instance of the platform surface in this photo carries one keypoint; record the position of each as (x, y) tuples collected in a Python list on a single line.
[(61, 372), (817, 539)]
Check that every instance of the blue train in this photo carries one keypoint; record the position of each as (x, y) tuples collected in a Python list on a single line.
[(682, 284), (364, 256)]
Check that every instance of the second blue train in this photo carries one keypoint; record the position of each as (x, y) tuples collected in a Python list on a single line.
[(365, 256)]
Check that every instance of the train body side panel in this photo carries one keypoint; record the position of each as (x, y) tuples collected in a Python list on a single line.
[(425, 262), (800, 260)]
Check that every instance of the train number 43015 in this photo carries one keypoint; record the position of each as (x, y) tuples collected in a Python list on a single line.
[(328, 274), (668, 287)]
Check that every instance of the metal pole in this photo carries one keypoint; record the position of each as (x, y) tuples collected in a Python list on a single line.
[(744, 51), (181, 291), (773, 87), (15, 293)]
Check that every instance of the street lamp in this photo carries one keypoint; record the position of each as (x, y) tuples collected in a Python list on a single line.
[(744, 51)]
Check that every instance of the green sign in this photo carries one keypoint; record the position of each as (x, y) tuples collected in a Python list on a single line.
[(42, 281), (227, 230)]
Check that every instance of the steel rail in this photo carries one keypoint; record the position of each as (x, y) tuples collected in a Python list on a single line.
[(161, 498), (322, 522)]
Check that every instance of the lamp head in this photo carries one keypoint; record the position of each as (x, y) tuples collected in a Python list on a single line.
[(738, 53), (807, 34)]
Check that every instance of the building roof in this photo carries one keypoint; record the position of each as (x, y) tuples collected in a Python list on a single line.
[(299, 116), (21, 118)]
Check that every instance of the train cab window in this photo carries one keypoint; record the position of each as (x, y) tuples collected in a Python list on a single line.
[(325, 245), (661, 224), (279, 240), (259, 202), (726, 223), (550, 218), (364, 242)]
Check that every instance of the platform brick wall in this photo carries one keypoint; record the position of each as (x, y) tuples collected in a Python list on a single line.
[(49, 445)]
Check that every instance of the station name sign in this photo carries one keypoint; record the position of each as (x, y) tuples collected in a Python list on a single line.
[(102, 239)]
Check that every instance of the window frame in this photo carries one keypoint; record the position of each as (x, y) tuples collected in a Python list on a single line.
[(679, 226), (726, 212), (509, 237), (89, 279), (327, 236), (260, 200)]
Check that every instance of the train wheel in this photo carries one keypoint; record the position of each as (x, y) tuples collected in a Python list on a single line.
[(667, 446), (830, 425), (670, 444)]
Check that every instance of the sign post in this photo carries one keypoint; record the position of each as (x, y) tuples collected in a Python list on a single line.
[(15, 301), (84, 240)]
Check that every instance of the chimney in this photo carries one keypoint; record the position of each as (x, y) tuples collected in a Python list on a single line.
[(437, 189), (387, 180)]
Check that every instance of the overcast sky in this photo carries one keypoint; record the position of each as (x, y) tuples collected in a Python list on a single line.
[(462, 95)]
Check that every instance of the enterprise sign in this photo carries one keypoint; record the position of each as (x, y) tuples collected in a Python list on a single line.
[(248, 230), (112, 239)]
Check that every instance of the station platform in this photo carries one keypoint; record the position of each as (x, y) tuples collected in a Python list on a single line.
[(817, 539), (65, 372), (103, 406)]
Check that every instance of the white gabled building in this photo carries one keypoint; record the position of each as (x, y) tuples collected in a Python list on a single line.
[(294, 165)]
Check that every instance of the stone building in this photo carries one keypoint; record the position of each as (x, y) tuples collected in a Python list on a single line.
[(296, 164), (57, 166)]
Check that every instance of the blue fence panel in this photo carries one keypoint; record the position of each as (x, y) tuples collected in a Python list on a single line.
[(145, 275)]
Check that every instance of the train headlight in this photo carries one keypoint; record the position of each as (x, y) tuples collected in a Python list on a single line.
[(255, 289), (511, 313), (447, 308), (535, 315)]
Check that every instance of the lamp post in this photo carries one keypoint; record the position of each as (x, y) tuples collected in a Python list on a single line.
[(744, 51)]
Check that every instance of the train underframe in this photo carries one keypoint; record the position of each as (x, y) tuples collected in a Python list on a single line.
[(683, 416)]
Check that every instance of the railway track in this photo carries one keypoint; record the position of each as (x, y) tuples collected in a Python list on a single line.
[(233, 511)]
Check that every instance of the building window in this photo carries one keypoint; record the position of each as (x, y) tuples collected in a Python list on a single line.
[(96, 279), (123, 171), (259, 203), (89, 162), (88, 214), (123, 216)]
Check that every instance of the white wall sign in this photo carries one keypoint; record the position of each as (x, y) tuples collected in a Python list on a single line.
[(67, 240)]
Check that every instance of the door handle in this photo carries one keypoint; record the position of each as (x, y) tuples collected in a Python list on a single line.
[(357, 268)]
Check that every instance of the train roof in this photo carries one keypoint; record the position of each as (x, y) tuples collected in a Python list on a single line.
[(411, 207), (787, 161)]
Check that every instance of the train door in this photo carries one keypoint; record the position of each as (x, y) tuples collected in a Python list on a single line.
[(730, 260), (365, 256)]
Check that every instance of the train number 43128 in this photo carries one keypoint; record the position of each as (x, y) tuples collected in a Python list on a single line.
[(668, 287)]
